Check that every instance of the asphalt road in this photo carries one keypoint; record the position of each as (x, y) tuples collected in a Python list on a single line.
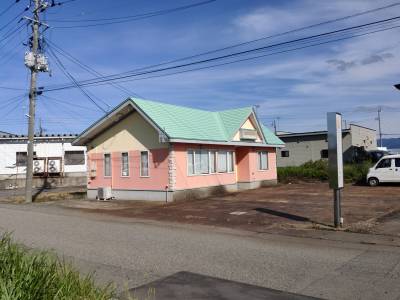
[(134, 253)]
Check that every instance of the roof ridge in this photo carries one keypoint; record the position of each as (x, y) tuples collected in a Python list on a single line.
[(169, 104), (221, 124), (238, 108), (188, 107)]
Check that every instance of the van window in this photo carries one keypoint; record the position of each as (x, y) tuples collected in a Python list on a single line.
[(385, 163), (397, 162)]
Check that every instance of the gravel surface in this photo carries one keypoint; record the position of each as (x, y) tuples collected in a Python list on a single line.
[(134, 253)]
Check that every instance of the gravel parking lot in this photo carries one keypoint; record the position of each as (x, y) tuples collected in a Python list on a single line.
[(270, 209)]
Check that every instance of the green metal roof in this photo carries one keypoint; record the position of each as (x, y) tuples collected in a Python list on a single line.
[(270, 137), (180, 122)]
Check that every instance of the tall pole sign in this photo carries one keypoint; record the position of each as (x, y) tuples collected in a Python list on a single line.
[(335, 163)]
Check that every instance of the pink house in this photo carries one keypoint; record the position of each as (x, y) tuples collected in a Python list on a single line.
[(146, 150)]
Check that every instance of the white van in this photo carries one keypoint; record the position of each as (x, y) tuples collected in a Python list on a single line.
[(387, 169)]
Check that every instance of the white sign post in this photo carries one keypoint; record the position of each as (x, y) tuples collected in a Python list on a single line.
[(335, 163)]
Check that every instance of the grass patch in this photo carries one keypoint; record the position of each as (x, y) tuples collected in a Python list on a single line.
[(32, 275), (318, 170)]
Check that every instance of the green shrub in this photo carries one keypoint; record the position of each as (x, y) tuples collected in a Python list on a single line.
[(318, 170), (356, 173), (32, 275)]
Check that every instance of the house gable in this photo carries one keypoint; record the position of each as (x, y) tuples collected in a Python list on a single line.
[(250, 130), (131, 133)]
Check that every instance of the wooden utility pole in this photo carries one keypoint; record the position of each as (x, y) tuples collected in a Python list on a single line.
[(32, 102)]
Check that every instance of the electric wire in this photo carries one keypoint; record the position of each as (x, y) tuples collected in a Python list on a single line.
[(129, 18), (13, 19), (119, 76), (8, 7), (274, 35), (90, 70), (16, 106), (11, 33), (245, 59), (68, 75), (73, 105)]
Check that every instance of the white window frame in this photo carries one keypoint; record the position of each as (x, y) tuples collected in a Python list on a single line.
[(208, 161), (122, 164), (259, 160), (226, 159), (104, 165), (195, 171), (210, 153), (230, 162), (148, 164)]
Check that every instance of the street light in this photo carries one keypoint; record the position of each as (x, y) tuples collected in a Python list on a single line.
[(397, 86)]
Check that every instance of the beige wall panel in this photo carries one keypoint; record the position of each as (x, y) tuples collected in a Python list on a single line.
[(247, 125), (131, 133)]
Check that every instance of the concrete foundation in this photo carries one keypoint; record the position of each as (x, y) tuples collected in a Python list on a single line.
[(182, 195), (256, 184), (135, 195), (71, 179)]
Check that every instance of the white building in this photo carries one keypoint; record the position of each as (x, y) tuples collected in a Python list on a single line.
[(56, 161)]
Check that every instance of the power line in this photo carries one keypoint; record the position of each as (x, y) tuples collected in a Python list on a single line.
[(274, 35), (11, 88), (242, 60), (68, 103), (11, 33), (68, 75), (13, 19), (89, 69), (119, 76), (130, 18), (256, 40), (8, 7)]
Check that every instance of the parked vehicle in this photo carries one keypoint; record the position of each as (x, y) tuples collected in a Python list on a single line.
[(376, 155), (387, 169)]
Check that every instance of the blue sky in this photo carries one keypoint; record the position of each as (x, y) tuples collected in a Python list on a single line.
[(297, 88)]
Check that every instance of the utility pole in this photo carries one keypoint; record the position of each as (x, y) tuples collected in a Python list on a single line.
[(32, 103), (274, 124), (379, 124), (36, 62)]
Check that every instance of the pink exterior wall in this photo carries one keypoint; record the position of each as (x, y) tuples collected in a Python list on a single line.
[(247, 160), (246, 168), (158, 171), (185, 181)]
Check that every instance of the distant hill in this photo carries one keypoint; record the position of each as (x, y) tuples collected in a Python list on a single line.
[(393, 143)]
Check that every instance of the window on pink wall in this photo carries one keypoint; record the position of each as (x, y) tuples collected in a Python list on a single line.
[(204, 162), (213, 161), (262, 160), (222, 162), (124, 164), (107, 164), (144, 164)]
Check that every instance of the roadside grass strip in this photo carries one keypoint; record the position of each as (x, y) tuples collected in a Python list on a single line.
[(31, 275)]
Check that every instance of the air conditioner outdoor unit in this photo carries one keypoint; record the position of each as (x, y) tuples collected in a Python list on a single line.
[(54, 166), (104, 193), (38, 166), (248, 134)]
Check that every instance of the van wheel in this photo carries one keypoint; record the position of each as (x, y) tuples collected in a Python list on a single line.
[(373, 181)]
